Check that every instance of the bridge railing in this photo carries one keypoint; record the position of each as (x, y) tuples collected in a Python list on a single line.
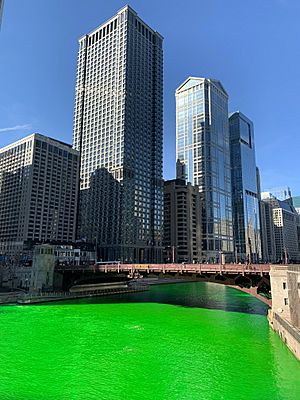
[(181, 268)]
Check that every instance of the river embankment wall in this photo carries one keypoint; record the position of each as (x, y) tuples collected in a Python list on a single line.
[(288, 333)]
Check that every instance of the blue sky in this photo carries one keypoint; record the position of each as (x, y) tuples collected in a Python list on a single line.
[(252, 46)]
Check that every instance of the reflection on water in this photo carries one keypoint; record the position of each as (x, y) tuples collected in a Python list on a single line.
[(194, 294)]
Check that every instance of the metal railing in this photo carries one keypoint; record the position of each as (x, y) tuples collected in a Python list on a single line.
[(181, 268), (84, 292)]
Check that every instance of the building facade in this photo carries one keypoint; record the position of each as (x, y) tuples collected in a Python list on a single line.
[(245, 192), (20, 273), (296, 203), (118, 128), (38, 192), (202, 146), (182, 222), (282, 193), (286, 229), (267, 232)]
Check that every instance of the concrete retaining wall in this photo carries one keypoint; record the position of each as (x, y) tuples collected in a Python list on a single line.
[(288, 333)]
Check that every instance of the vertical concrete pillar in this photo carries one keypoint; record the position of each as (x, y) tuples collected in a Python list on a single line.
[(42, 268)]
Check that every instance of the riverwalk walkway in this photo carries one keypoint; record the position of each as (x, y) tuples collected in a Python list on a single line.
[(46, 297)]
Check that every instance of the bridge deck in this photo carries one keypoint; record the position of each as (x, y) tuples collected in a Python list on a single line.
[(253, 269)]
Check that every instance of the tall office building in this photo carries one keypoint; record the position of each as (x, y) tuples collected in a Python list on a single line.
[(38, 192), (202, 146), (182, 222), (296, 203), (118, 127), (245, 192), (267, 232), (286, 229)]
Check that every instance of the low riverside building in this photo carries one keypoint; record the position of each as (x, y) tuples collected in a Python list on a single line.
[(30, 270), (182, 222), (77, 254), (285, 314)]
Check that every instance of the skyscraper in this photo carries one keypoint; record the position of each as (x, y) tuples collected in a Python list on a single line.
[(296, 203), (245, 193), (182, 222), (38, 192), (202, 146), (267, 229), (286, 228), (118, 127)]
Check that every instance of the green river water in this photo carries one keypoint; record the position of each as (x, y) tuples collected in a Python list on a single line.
[(183, 341)]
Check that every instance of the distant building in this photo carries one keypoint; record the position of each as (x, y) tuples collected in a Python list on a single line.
[(118, 126), (245, 193), (202, 145), (1, 11), (281, 193), (286, 228), (182, 222), (296, 203), (38, 193), (267, 232)]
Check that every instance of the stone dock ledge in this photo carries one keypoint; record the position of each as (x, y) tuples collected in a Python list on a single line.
[(27, 299), (288, 333)]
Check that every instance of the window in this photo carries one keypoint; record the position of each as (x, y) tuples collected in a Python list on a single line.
[(286, 301), (284, 285)]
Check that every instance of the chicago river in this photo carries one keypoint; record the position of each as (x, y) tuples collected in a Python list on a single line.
[(177, 341)]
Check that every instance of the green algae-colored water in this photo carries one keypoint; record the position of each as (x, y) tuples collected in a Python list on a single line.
[(185, 341)]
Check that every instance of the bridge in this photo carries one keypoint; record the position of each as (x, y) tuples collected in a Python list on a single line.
[(250, 278), (228, 269)]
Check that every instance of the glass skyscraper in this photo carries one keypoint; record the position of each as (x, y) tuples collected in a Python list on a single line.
[(296, 203), (118, 130), (245, 191), (202, 146)]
